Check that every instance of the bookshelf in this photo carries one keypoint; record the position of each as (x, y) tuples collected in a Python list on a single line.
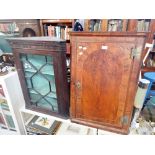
[(8, 27), (59, 28), (104, 25), (10, 119), (145, 25)]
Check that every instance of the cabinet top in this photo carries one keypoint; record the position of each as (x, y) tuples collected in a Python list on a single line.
[(38, 43), (110, 34), (48, 39)]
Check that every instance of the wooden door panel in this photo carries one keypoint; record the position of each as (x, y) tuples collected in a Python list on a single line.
[(102, 78)]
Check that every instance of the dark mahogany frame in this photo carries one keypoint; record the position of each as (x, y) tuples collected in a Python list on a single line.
[(57, 50)]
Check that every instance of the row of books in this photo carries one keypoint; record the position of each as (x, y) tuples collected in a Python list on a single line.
[(143, 25), (57, 31), (115, 25), (8, 27), (95, 25)]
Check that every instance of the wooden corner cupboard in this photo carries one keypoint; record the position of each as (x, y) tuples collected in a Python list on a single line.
[(41, 66), (104, 77)]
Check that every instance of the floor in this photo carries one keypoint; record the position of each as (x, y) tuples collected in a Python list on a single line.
[(139, 127), (138, 130)]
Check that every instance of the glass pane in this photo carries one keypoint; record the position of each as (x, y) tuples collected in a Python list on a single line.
[(40, 80)]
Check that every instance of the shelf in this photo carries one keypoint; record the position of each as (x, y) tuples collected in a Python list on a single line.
[(3, 126), (59, 28), (148, 68), (9, 121), (56, 21), (2, 97), (6, 112), (5, 131), (4, 106), (28, 111)]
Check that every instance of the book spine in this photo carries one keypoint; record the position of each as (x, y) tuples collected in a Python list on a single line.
[(62, 33), (53, 31), (45, 30), (50, 30), (59, 32), (66, 31), (146, 26)]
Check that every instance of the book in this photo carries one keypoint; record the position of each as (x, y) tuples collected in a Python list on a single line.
[(119, 25), (8, 27), (146, 26), (140, 25), (62, 33), (50, 30), (96, 26), (115, 25), (99, 27), (45, 30), (58, 31), (37, 126), (66, 31)]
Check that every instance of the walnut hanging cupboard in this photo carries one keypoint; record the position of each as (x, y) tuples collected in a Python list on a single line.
[(104, 77)]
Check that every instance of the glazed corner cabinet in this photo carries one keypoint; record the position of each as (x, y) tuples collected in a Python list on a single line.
[(104, 77), (41, 66)]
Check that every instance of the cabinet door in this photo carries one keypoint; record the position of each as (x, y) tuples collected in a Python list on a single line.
[(102, 75), (39, 76)]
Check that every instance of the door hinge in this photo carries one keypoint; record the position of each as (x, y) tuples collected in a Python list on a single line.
[(136, 53), (124, 120)]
